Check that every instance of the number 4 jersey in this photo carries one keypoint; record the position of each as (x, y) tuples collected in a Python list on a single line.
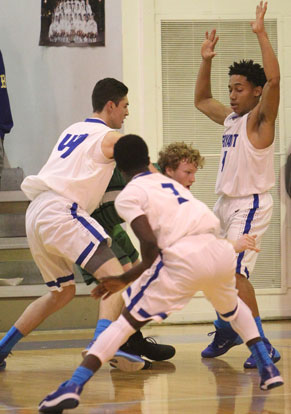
[(170, 208), (77, 168), (243, 169)]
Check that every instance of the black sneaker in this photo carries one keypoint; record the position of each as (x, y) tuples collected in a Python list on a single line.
[(148, 347)]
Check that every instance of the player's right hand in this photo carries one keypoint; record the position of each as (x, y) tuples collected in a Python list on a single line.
[(208, 46)]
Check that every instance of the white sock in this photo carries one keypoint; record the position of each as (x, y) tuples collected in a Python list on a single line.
[(110, 340), (244, 323)]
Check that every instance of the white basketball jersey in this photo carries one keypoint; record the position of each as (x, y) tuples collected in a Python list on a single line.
[(243, 169), (170, 208), (77, 168)]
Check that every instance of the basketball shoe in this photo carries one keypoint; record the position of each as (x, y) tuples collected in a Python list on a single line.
[(250, 363), (66, 396), (270, 377), (147, 347), (222, 342)]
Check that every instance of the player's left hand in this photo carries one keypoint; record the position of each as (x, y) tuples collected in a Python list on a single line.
[(258, 24), (107, 286), (246, 242)]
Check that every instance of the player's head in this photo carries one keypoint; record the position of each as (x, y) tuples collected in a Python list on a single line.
[(131, 155), (110, 95), (180, 161), (246, 82)]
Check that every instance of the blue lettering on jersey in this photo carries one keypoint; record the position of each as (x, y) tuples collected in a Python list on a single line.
[(223, 160), (175, 192), (71, 143), (229, 140)]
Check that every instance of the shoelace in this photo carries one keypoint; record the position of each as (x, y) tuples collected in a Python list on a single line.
[(219, 338), (150, 339)]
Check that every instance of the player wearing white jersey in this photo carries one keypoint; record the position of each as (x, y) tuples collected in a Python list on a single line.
[(246, 170), (180, 256), (68, 188)]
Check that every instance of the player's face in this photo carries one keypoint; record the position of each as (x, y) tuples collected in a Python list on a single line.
[(119, 113), (184, 174), (243, 95)]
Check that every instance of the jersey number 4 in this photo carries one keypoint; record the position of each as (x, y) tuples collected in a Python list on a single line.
[(175, 192), (70, 143)]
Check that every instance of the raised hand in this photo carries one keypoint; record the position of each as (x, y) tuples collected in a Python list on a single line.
[(246, 242), (208, 46), (258, 24)]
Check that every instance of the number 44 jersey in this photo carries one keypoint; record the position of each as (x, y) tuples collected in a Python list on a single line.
[(170, 208), (77, 168)]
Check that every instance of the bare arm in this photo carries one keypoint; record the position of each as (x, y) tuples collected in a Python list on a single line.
[(261, 125), (204, 101), (149, 252), (108, 143)]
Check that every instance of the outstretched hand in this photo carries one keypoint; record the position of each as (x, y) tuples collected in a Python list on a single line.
[(246, 242), (258, 24), (208, 46), (107, 286)]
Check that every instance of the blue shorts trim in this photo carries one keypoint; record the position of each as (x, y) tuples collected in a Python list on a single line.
[(247, 228), (147, 315), (60, 280), (90, 228), (139, 295)]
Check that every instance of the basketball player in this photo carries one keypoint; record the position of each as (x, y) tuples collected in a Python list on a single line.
[(180, 256), (180, 162), (63, 194), (246, 170)]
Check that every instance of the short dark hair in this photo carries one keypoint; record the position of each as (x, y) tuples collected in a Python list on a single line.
[(131, 153), (254, 72), (108, 89)]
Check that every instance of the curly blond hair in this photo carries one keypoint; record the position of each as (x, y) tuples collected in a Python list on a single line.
[(174, 153)]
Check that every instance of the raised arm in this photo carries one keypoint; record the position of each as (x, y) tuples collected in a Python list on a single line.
[(204, 101), (263, 117)]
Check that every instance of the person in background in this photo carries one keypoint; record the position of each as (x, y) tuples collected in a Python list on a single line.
[(6, 121)]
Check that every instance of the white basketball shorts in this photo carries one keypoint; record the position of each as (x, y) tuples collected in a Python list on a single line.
[(251, 215), (194, 263), (60, 234)]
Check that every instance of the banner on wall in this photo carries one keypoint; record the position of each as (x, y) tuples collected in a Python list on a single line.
[(72, 23)]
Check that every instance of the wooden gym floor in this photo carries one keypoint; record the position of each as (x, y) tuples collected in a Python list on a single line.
[(185, 384)]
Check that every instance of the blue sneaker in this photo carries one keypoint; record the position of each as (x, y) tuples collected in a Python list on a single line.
[(66, 396), (3, 356), (222, 342), (128, 362), (250, 363), (270, 378)]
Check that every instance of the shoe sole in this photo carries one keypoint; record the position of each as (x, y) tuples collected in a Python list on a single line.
[(126, 362), (274, 359), (272, 383), (69, 402)]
